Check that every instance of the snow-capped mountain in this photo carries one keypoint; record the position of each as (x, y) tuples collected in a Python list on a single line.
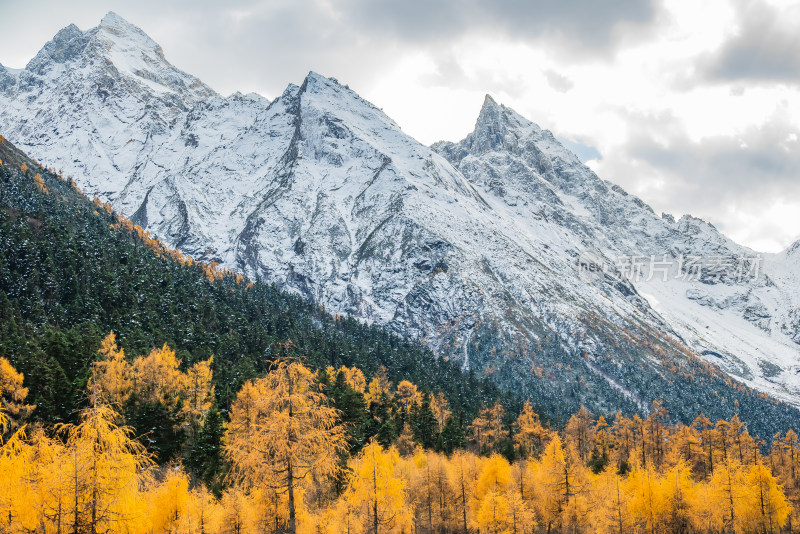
[(737, 307), (502, 250)]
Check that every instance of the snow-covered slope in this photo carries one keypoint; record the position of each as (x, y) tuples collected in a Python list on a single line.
[(503, 250), (736, 307)]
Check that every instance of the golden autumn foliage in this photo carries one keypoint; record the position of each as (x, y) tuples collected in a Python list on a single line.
[(529, 434), (155, 378), (112, 373), (487, 431), (407, 394), (37, 179), (379, 386), (377, 492), (290, 471), (211, 270), (103, 471), (353, 377), (439, 407), (282, 434), (12, 397)]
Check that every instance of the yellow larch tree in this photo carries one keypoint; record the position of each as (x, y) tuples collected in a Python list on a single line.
[(487, 431), (405, 442), (379, 386), (561, 483), (112, 373), (282, 430), (463, 471), (439, 407), (103, 467), (648, 505), (16, 509), (601, 445), (203, 513), (497, 505), (235, 511), (623, 438), (679, 491), (12, 398), (785, 461), (530, 436), (610, 500), (198, 390), (169, 502), (431, 489), (157, 377), (353, 377), (685, 442), (727, 494), (378, 492), (705, 430), (767, 509), (197, 394), (37, 179), (705, 513), (47, 476), (18, 501), (341, 518), (520, 517), (407, 395), (492, 513), (580, 432), (740, 441), (655, 434)]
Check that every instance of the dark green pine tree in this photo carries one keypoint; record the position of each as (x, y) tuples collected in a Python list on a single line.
[(452, 436), (423, 423), (205, 456), (353, 408), (156, 426)]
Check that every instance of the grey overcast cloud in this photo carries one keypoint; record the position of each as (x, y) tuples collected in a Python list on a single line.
[(693, 106)]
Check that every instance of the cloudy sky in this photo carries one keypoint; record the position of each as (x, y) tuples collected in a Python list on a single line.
[(693, 106)]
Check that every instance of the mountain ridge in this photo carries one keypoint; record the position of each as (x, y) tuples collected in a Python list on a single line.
[(479, 248)]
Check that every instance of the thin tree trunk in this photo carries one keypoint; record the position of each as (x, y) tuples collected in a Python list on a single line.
[(463, 496), (289, 472), (374, 492), (292, 519)]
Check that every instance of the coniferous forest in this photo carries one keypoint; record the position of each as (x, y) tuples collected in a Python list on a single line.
[(144, 392)]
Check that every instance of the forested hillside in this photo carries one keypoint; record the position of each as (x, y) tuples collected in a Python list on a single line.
[(141, 391), (71, 271)]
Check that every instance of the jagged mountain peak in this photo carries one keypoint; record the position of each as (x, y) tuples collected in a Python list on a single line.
[(316, 83), (67, 44), (501, 128), (495, 122), (126, 35), (316, 79), (103, 56), (492, 111), (339, 105), (113, 20), (698, 228)]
